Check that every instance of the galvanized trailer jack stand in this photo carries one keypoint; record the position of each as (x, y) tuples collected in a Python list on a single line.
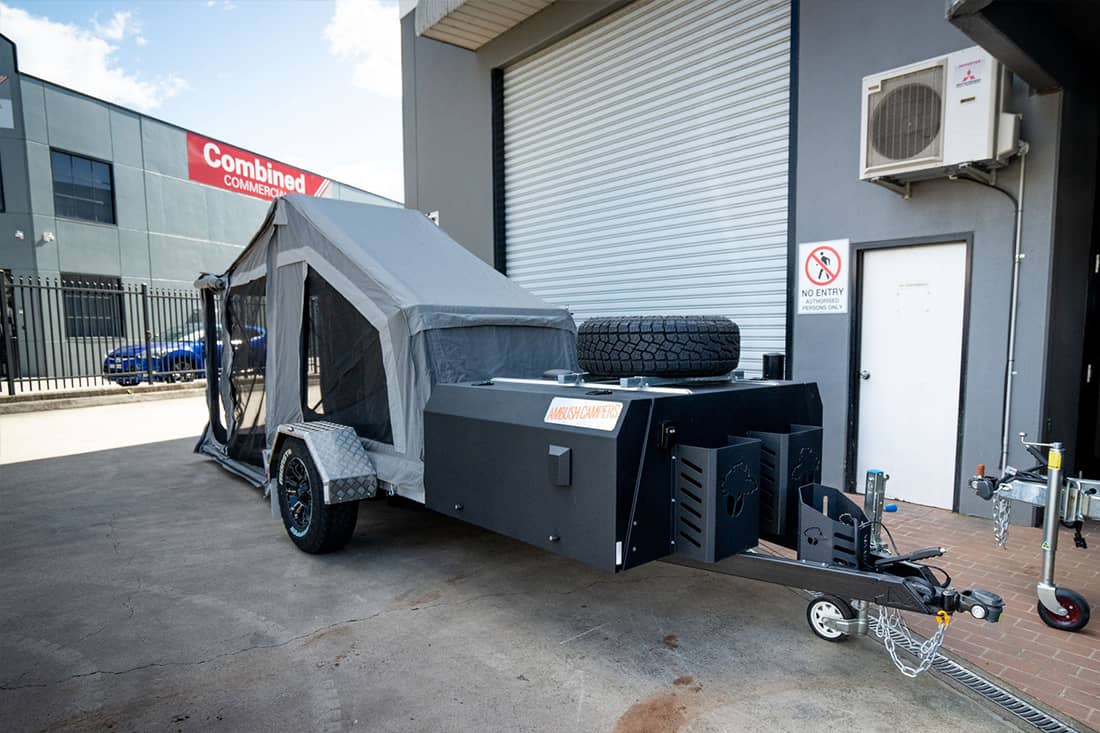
[(1069, 501)]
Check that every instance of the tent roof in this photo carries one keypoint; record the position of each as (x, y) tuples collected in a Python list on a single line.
[(436, 313), (406, 255)]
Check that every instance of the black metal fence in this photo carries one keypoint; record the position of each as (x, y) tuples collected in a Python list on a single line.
[(85, 331)]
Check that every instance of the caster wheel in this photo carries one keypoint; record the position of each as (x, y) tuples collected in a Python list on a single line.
[(826, 607), (1073, 602)]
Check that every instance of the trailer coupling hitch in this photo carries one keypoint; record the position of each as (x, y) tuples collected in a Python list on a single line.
[(981, 604), (890, 627)]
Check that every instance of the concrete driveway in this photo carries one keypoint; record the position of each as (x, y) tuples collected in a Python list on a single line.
[(28, 436), (146, 589)]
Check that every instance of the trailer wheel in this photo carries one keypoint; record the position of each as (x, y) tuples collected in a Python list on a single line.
[(826, 607), (313, 526), (1073, 602), (658, 346)]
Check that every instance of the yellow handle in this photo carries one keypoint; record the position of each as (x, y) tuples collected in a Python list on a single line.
[(1054, 460)]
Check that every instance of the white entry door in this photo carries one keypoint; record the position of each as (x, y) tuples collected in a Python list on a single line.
[(910, 346)]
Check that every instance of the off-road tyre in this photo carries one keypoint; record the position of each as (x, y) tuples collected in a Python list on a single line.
[(658, 346), (329, 527)]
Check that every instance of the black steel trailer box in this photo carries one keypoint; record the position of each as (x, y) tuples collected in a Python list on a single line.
[(618, 497)]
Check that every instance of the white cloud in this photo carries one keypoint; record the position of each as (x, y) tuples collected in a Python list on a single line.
[(368, 33), (120, 25), (84, 59)]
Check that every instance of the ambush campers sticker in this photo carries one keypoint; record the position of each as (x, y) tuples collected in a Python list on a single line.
[(593, 414)]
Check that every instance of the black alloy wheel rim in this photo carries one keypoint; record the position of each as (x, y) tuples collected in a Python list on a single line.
[(299, 496)]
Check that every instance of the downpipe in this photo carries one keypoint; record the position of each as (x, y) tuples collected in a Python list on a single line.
[(1016, 259)]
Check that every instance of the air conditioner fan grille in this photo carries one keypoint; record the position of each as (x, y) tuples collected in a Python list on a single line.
[(906, 118)]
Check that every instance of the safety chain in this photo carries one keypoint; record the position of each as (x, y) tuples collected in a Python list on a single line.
[(1002, 510), (890, 623)]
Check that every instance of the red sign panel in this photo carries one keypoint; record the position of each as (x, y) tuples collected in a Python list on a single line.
[(224, 166)]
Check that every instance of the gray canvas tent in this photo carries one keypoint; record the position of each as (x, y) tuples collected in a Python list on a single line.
[(349, 313)]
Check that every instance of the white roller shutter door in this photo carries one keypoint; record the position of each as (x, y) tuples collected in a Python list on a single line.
[(646, 166)]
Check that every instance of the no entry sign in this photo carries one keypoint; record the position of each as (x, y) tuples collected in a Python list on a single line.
[(823, 277)]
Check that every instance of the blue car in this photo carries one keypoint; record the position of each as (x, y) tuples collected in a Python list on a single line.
[(177, 356)]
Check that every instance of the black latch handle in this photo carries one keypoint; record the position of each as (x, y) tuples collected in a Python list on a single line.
[(924, 554)]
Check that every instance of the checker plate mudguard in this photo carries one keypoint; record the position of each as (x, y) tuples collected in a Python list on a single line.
[(347, 473)]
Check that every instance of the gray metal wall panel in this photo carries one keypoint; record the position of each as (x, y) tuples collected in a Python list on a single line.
[(646, 166), (13, 156), (46, 258), (77, 123), (176, 206), (129, 197), (134, 254), (34, 110), (230, 217), (125, 138), (347, 193), (11, 89), (40, 183), (164, 149), (19, 256), (178, 259), (454, 111), (87, 248)]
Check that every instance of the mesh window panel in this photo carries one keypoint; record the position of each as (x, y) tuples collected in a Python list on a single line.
[(905, 119), (247, 323), (344, 381), (482, 352)]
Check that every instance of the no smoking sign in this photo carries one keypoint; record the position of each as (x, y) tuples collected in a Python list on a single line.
[(823, 277)]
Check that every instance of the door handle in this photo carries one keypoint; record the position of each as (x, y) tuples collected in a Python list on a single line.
[(864, 374)]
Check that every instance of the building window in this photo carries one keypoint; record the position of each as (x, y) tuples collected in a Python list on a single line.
[(82, 188), (2, 209), (94, 305)]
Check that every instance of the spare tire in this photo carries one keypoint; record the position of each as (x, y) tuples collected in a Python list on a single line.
[(658, 346)]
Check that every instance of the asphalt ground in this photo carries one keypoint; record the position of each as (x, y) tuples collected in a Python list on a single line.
[(144, 588)]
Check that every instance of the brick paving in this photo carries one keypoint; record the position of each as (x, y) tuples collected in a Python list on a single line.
[(1059, 669)]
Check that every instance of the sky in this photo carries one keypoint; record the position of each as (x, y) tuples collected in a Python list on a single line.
[(315, 83)]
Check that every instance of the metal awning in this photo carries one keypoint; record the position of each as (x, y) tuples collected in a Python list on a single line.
[(1047, 43), (472, 23)]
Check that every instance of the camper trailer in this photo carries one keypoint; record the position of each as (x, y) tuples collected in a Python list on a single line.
[(396, 363)]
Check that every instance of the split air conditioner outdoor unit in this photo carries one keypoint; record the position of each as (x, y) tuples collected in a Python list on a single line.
[(936, 117)]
